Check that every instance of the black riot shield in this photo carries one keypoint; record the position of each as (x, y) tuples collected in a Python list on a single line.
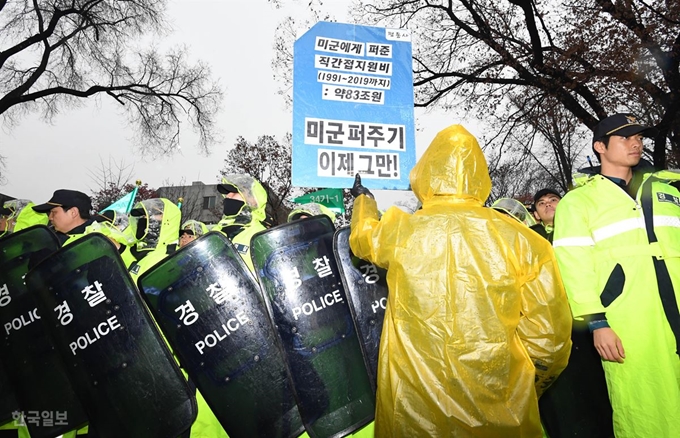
[(8, 402), (299, 275), (577, 403), (212, 313), (366, 287), (116, 360), (33, 366)]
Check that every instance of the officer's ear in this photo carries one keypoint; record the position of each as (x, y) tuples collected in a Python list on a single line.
[(536, 216), (69, 211), (599, 147)]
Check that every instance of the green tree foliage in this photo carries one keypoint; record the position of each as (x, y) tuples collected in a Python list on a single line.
[(55, 53), (591, 57)]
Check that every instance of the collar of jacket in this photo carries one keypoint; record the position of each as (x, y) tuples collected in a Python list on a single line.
[(586, 173), (80, 229)]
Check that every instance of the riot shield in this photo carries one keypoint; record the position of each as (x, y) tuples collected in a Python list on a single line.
[(8, 402), (116, 360), (212, 313), (577, 403), (299, 276), (366, 287), (34, 367)]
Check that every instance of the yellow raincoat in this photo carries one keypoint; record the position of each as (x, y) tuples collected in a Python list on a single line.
[(477, 321)]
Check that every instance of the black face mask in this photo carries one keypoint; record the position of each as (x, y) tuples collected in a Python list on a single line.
[(141, 228), (232, 207)]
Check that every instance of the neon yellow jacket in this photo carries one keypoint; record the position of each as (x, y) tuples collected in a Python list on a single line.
[(162, 230), (23, 216), (477, 321), (163, 219), (606, 260)]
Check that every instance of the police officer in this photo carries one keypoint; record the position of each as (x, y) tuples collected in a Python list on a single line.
[(190, 231), (310, 209), (616, 240), (545, 203), (69, 214), (245, 201), (515, 209), (155, 225)]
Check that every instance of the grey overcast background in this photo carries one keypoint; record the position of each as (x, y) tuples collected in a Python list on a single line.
[(236, 38)]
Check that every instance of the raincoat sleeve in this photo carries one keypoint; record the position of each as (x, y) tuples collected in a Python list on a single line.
[(366, 229), (574, 249), (545, 322)]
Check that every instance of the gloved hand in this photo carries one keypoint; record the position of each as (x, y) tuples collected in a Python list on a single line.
[(357, 189)]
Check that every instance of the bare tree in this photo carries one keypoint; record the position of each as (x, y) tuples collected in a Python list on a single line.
[(54, 53), (113, 180), (594, 57), (106, 196), (538, 129), (3, 164), (111, 174), (514, 176), (287, 32), (270, 162)]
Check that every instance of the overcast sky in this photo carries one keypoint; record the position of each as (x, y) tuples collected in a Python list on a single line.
[(236, 37)]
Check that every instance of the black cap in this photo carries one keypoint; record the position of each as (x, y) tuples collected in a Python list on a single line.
[(541, 193), (226, 188), (66, 198), (4, 211), (622, 124)]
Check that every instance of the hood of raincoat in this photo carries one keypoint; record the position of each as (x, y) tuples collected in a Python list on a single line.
[(311, 209), (114, 224), (154, 223), (22, 217), (515, 209), (453, 166), (117, 219), (254, 196), (197, 227)]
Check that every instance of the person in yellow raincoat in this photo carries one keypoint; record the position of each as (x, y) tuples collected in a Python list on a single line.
[(477, 322)]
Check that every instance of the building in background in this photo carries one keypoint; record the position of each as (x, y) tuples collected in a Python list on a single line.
[(201, 202)]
